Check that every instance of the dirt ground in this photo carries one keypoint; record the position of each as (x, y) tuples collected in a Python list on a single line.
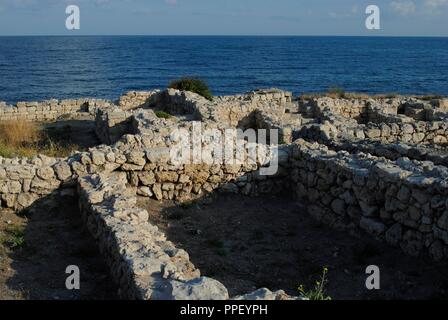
[(79, 133), (248, 243), (37, 246)]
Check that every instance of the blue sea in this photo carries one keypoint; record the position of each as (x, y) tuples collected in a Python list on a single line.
[(37, 68)]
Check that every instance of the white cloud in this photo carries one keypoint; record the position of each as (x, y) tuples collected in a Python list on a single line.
[(353, 11), (434, 4), (404, 7)]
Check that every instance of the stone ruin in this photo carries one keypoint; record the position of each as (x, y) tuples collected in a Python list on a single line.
[(374, 165)]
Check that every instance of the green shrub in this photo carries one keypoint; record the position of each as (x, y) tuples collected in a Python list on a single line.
[(14, 237), (187, 204), (336, 92), (194, 85), (318, 293), (163, 115)]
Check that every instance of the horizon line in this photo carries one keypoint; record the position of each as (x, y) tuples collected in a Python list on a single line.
[(224, 35)]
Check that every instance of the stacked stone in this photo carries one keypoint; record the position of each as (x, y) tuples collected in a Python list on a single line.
[(377, 110), (111, 124), (417, 132), (136, 99), (347, 108), (403, 202), (151, 170), (142, 261), (51, 110), (182, 103), (114, 122), (434, 154), (364, 190), (379, 124), (24, 182)]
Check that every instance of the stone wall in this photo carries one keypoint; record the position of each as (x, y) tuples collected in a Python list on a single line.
[(374, 108), (23, 181), (348, 108), (267, 107), (394, 151), (372, 120), (137, 99), (403, 202), (142, 261), (51, 110), (376, 187), (418, 132), (112, 123)]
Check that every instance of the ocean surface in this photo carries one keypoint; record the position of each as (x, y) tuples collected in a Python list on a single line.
[(37, 68)]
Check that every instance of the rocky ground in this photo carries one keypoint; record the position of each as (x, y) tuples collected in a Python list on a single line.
[(37, 246), (247, 243)]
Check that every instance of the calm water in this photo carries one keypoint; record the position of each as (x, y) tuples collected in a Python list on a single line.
[(37, 68)]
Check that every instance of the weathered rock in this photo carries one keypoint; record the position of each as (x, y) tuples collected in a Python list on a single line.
[(394, 234), (157, 190), (372, 226), (62, 170), (45, 173), (266, 295), (98, 158), (24, 200), (198, 289)]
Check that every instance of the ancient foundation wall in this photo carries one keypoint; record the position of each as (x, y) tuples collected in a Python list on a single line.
[(418, 132), (335, 128), (403, 202), (111, 124), (233, 111), (137, 99), (142, 261), (50, 110), (23, 181)]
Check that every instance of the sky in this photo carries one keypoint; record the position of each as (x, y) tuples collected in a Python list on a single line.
[(225, 17)]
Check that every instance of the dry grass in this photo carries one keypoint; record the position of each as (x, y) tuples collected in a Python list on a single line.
[(430, 97), (19, 138), (19, 132), (336, 92)]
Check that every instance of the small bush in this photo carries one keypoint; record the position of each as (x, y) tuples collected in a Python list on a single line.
[(389, 95), (336, 92), (430, 97), (194, 85), (318, 293), (163, 115), (187, 205), (14, 237)]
